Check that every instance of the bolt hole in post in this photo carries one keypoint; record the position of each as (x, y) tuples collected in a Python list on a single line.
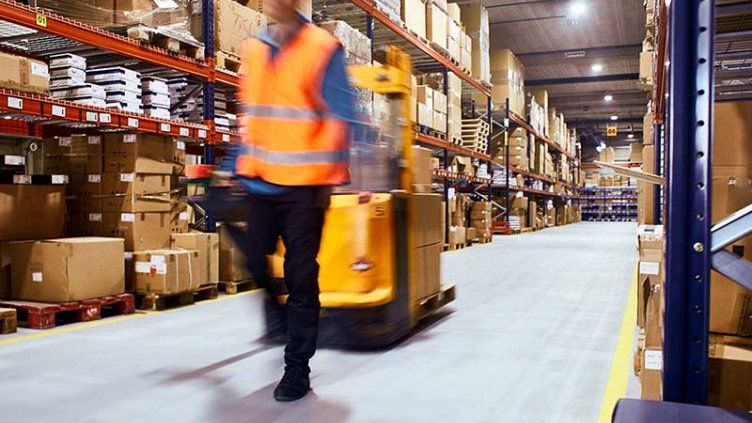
[(700, 185), (700, 154), (701, 92), (700, 217)]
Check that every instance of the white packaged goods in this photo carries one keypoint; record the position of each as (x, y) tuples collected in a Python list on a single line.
[(69, 72), (123, 96), (120, 85), (85, 90), (155, 99), (89, 101), (113, 74), (67, 60), (66, 82), (157, 112), (155, 85)]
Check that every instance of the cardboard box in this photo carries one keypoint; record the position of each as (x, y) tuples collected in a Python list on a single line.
[(476, 20), (66, 269), (167, 271), (427, 228), (436, 24), (207, 245), (86, 224), (135, 193), (425, 96), (422, 171), (731, 304), (428, 269), (10, 71), (181, 217), (651, 375), (463, 165), (414, 16), (457, 235), (31, 212), (141, 231), (439, 121), (730, 372), (234, 24), (732, 124), (232, 261)]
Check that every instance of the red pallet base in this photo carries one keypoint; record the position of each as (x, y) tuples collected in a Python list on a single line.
[(501, 228), (35, 315)]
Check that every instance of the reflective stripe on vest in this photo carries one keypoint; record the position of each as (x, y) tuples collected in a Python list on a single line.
[(281, 112), (297, 158)]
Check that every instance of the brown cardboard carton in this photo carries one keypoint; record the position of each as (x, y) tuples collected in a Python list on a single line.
[(427, 227), (10, 71), (121, 163), (471, 233), (422, 172), (180, 217), (31, 212), (166, 271), (731, 304), (234, 25), (732, 124), (84, 184), (428, 269), (135, 193), (207, 245), (457, 235), (86, 224), (149, 146), (141, 231), (651, 374), (414, 16), (35, 76), (436, 24), (730, 372), (66, 269), (4, 272), (84, 204), (232, 261), (463, 165)]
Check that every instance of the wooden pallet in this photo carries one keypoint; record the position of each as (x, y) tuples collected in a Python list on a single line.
[(421, 38), (228, 61), (484, 240), (159, 302), (423, 129), (453, 247), (8, 321), (446, 295), (166, 39), (36, 315), (527, 230), (234, 287)]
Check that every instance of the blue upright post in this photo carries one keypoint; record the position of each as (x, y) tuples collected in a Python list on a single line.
[(690, 102), (446, 167), (208, 94), (506, 160), (369, 32), (658, 164), (489, 150)]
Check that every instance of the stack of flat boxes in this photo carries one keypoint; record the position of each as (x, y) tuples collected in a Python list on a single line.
[(436, 22), (391, 8), (155, 95), (429, 242), (122, 87), (475, 18), (508, 78), (541, 99), (192, 109), (358, 51), (68, 81), (458, 206), (518, 216)]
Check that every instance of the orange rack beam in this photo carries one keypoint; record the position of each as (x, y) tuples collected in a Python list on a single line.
[(60, 110)]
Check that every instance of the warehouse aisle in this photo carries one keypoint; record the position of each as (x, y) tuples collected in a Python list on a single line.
[(529, 339)]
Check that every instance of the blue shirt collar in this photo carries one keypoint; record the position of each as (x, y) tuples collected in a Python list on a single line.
[(266, 38)]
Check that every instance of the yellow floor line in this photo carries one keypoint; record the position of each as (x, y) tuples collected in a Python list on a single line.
[(622, 361), (109, 321)]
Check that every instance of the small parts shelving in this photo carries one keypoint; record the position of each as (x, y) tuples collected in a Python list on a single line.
[(609, 204)]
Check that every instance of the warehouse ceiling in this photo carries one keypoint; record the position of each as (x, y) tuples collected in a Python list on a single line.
[(559, 52)]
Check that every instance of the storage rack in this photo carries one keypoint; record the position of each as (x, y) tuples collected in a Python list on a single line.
[(609, 204), (42, 34), (683, 101)]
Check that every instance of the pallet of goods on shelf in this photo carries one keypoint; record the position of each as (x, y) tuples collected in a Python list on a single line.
[(24, 74), (476, 20), (455, 33), (437, 25), (537, 111), (508, 78), (454, 109), (414, 17)]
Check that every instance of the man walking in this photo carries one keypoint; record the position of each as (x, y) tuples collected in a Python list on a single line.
[(295, 101)]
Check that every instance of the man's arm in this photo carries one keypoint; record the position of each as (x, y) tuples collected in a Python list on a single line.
[(336, 90)]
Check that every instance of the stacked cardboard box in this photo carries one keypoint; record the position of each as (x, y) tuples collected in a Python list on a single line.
[(232, 262), (540, 120), (437, 22), (455, 32), (466, 52), (429, 241), (65, 269), (390, 7), (422, 169), (414, 16), (358, 51), (454, 108), (207, 247), (24, 74), (730, 370), (518, 216), (518, 150), (481, 219), (475, 18), (508, 78), (650, 310), (458, 208), (646, 190)]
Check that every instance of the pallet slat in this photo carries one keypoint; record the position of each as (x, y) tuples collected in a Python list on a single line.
[(158, 302), (37, 315)]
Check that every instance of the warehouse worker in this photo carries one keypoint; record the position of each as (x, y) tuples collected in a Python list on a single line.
[(295, 103)]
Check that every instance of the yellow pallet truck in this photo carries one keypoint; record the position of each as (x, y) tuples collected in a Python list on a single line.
[(371, 292)]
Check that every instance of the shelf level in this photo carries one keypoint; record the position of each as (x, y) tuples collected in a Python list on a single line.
[(49, 109), (519, 121)]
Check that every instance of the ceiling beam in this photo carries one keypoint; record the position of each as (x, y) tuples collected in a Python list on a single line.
[(583, 122), (579, 56), (584, 79), (733, 9)]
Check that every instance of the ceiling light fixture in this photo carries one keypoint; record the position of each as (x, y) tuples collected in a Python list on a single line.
[(608, 97), (577, 9), (614, 117), (597, 67), (630, 136)]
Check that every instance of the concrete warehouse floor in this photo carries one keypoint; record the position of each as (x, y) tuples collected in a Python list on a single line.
[(529, 339)]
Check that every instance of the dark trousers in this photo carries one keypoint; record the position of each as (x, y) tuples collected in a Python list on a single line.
[(298, 217)]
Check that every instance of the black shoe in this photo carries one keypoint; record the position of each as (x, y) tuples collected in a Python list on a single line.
[(294, 385)]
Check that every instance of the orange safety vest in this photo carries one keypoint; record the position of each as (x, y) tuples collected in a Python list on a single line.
[(290, 136)]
